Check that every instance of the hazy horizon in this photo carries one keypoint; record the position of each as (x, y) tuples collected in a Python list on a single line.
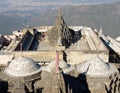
[(43, 12), (7, 5), (16, 3)]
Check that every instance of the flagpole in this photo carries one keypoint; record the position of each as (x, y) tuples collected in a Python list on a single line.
[(21, 49)]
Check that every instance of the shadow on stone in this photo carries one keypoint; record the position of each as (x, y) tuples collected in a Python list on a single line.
[(76, 84), (3, 87), (39, 90)]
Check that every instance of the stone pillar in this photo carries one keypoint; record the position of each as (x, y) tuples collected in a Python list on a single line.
[(58, 83), (16, 87), (29, 86)]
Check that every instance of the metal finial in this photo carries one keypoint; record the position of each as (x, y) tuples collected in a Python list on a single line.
[(59, 12)]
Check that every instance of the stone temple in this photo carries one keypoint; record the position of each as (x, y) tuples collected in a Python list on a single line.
[(23, 75), (60, 34), (57, 59), (101, 77), (97, 68), (20, 74), (22, 67)]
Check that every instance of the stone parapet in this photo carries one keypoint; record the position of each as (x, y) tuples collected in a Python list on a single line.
[(39, 55)]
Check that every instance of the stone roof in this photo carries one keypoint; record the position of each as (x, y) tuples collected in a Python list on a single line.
[(96, 68), (60, 33), (62, 64), (51, 65), (22, 67)]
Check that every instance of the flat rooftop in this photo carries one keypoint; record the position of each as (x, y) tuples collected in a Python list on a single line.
[(44, 46), (80, 45)]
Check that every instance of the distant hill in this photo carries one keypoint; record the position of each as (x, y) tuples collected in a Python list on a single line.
[(8, 23), (105, 16)]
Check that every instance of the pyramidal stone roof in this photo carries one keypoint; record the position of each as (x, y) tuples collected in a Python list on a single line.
[(59, 32), (96, 68), (22, 67)]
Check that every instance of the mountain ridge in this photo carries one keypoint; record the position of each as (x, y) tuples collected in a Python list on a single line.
[(106, 16), (32, 4)]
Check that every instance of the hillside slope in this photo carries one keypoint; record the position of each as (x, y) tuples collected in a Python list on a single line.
[(8, 23), (105, 16)]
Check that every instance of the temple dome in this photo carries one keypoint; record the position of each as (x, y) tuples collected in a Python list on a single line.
[(62, 64), (22, 67), (96, 68)]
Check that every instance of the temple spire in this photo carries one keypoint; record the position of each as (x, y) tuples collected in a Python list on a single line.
[(59, 14), (60, 34)]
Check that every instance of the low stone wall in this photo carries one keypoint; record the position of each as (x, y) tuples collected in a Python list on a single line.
[(4, 59), (39, 55), (73, 57), (76, 57)]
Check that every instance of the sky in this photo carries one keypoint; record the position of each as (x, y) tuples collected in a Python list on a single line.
[(6, 5), (13, 3)]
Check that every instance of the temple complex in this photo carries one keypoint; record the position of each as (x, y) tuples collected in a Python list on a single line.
[(59, 59)]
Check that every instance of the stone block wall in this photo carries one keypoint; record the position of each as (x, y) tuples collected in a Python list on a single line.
[(39, 55), (76, 57)]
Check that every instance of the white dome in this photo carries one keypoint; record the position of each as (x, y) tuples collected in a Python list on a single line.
[(96, 68), (63, 65), (21, 67)]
